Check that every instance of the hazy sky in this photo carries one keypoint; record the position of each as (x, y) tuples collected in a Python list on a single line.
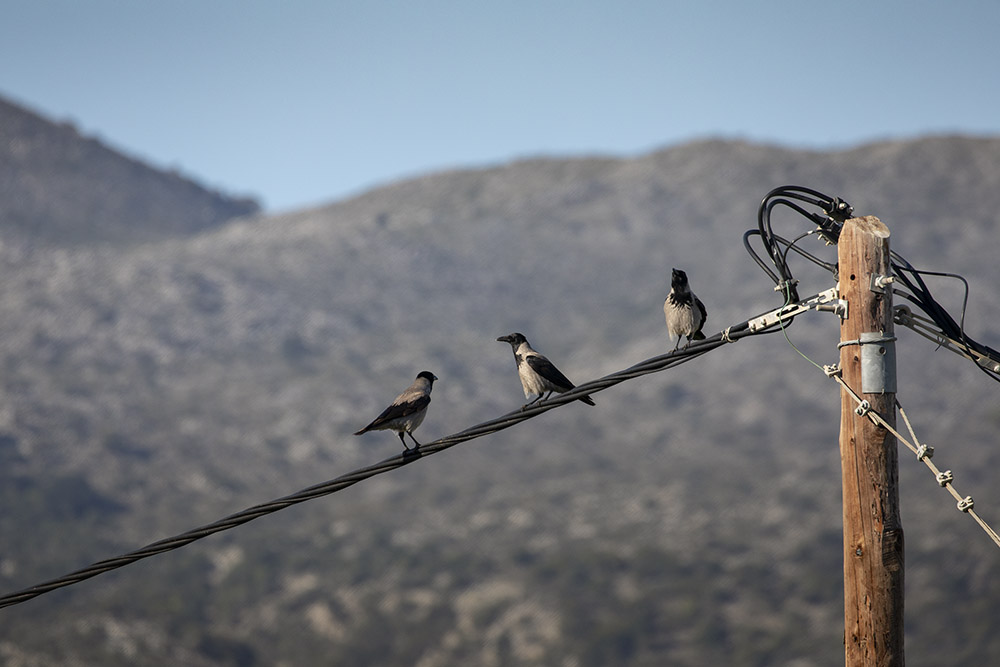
[(303, 102)]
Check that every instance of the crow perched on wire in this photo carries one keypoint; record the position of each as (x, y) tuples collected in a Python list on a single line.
[(407, 412), (539, 377), (685, 313)]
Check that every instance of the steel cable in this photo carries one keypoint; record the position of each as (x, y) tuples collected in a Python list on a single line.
[(652, 365)]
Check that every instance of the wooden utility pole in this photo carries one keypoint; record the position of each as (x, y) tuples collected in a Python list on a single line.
[(873, 534)]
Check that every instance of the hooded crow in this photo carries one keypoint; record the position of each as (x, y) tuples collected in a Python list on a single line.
[(539, 377), (684, 311), (407, 412)]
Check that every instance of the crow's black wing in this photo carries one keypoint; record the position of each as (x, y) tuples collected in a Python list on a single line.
[(398, 411), (704, 313), (547, 370), (698, 334)]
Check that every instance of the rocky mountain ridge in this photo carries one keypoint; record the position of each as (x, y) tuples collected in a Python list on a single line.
[(58, 187), (691, 517)]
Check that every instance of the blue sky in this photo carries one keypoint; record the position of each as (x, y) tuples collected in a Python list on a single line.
[(304, 102)]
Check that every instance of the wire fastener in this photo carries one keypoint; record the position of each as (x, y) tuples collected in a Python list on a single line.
[(880, 284), (874, 340), (827, 300)]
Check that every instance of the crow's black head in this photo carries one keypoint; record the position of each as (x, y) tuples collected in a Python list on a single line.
[(514, 339), (678, 279)]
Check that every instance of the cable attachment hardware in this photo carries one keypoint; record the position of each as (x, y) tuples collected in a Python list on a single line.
[(832, 370), (902, 315), (925, 452), (878, 362), (840, 210), (966, 504), (880, 284), (929, 330), (945, 478), (837, 307), (827, 300), (786, 285), (837, 213), (864, 407)]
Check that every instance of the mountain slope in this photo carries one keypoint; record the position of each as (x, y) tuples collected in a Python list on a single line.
[(692, 517), (59, 187)]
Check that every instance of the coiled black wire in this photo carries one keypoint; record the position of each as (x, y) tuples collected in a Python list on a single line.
[(829, 220)]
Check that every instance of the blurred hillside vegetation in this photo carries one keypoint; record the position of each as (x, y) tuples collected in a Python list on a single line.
[(169, 355)]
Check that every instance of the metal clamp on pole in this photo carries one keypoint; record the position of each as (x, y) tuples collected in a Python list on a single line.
[(828, 300), (878, 362)]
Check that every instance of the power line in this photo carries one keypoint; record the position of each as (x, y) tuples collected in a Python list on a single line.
[(834, 212), (652, 365), (923, 452), (829, 219)]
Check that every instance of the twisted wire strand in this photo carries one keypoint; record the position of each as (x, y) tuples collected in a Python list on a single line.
[(964, 504), (652, 365)]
